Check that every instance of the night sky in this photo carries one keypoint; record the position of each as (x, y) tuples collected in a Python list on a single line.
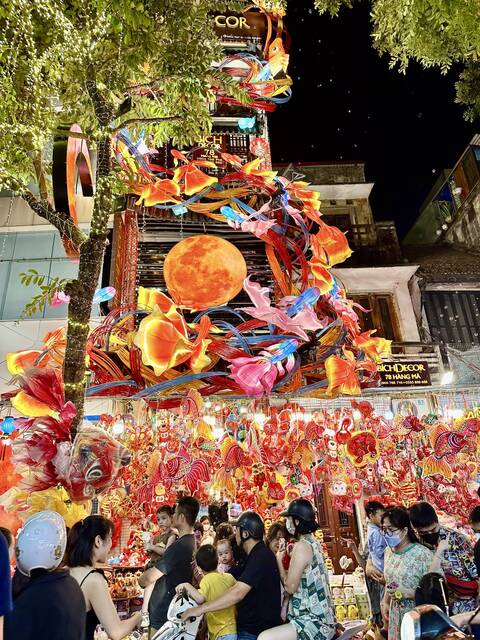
[(348, 105)]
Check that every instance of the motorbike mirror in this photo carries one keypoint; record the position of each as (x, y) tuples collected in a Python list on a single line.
[(428, 622)]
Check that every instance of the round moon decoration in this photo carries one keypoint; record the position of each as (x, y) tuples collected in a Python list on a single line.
[(204, 271)]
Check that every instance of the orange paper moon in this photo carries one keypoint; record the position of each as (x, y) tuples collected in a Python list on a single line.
[(204, 271)]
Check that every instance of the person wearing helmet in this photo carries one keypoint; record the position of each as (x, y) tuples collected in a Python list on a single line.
[(310, 609), (51, 605), (257, 591)]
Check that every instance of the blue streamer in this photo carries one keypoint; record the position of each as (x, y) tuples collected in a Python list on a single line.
[(177, 382), (223, 309), (91, 391)]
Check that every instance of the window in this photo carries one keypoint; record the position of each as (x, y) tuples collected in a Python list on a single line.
[(453, 316), (341, 220), (379, 314), (39, 250)]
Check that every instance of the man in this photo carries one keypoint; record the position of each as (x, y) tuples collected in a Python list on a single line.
[(174, 567), (375, 540), (257, 592), (457, 559), (50, 605)]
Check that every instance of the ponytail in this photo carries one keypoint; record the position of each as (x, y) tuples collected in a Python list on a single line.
[(81, 540)]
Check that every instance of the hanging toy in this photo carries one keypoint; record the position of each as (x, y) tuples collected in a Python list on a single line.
[(362, 448), (343, 435)]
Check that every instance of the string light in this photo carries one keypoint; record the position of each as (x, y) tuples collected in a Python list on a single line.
[(78, 325)]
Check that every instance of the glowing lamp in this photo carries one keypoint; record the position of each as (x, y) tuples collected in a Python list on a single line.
[(8, 426)]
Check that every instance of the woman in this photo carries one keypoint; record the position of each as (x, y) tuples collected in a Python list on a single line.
[(276, 536), (88, 546), (310, 609), (208, 533), (406, 562)]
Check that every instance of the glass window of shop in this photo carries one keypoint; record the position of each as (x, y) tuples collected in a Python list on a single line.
[(39, 250)]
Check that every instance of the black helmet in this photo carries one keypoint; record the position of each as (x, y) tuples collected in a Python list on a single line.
[(301, 509), (252, 523)]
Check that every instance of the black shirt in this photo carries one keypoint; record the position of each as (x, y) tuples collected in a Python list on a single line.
[(50, 607), (260, 609), (176, 566)]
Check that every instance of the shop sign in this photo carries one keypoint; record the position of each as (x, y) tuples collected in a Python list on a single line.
[(213, 145), (250, 23), (404, 374)]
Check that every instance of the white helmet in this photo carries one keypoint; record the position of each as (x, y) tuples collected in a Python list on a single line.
[(41, 543)]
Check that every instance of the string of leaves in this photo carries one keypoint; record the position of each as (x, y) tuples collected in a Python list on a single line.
[(48, 288)]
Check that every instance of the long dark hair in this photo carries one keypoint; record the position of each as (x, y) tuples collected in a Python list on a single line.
[(399, 519), (81, 540)]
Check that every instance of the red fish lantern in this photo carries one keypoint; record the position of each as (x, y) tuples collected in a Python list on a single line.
[(95, 461)]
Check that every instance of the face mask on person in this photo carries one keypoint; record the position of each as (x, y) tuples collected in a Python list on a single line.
[(393, 539), (431, 538), (290, 526)]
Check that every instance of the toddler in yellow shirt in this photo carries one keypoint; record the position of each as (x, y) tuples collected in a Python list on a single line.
[(222, 625)]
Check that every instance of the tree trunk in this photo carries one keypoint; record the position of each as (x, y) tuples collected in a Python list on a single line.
[(81, 290)]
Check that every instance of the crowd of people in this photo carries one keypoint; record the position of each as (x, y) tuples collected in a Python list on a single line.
[(243, 580), (247, 583), (411, 559)]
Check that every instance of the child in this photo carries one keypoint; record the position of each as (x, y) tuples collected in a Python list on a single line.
[(221, 624), (156, 548), (225, 555)]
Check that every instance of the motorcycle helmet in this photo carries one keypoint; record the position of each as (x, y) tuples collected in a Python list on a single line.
[(302, 510), (41, 542), (252, 523)]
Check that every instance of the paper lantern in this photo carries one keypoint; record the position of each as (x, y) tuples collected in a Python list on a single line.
[(204, 271)]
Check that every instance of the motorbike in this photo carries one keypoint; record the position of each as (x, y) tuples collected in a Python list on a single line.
[(174, 628), (429, 622)]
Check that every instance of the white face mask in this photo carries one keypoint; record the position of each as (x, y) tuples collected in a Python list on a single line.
[(290, 526)]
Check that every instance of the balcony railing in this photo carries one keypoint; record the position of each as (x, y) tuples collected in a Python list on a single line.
[(374, 243)]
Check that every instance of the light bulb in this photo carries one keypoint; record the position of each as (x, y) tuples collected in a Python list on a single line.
[(447, 378), (118, 427)]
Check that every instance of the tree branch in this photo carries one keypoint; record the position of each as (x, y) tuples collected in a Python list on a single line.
[(43, 208), (62, 222), (126, 123)]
